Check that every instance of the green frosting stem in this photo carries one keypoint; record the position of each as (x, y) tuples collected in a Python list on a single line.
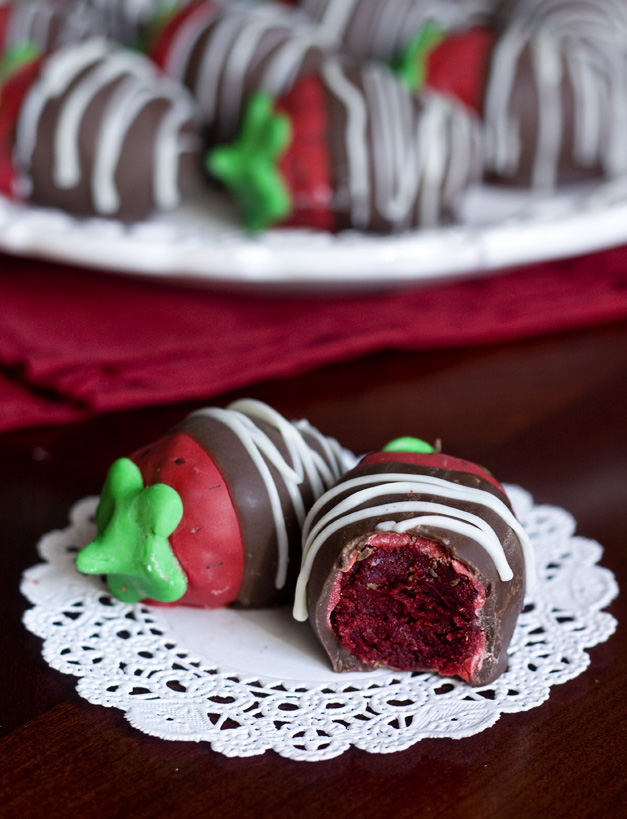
[(411, 65), (408, 444), (132, 547), (248, 167), (16, 56)]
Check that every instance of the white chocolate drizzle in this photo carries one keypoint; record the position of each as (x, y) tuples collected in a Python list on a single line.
[(377, 29), (407, 158), (48, 24), (582, 45), (303, 462), (366, 489), (234, 55), (76, 75)]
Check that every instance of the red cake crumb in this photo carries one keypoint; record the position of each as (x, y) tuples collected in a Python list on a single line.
[(405, 604)]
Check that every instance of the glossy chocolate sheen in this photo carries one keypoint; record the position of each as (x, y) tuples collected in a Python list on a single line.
[(103, 133), (555, 104), (503, 599), (398, 160), (372, 29), (227, 56), (250, 499)]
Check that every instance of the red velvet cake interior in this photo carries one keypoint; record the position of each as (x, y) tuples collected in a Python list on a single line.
[(407, 604)]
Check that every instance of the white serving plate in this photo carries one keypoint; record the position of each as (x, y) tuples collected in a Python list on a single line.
[(202, 243)]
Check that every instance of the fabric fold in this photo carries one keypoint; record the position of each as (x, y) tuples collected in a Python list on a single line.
[(75, 342)]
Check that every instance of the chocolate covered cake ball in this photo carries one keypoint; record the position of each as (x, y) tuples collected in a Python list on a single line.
[(211, 514), (351, 147), (556, 100), (224, 54), (414, 561), (96, 130)]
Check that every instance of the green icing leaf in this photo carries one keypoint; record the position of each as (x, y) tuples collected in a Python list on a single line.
[(408, 444), (411, 65), (132, 546), (248, 167), (16, 56)]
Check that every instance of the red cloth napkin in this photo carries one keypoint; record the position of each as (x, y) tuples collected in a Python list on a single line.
[(74, 342)]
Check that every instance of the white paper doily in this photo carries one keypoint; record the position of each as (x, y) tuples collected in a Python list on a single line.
[(248, 682)]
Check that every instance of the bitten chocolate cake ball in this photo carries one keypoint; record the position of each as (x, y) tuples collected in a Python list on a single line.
[(415, 561), (211, 513)]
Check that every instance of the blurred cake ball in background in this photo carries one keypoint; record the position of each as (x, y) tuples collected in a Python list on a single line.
[(96, 130)]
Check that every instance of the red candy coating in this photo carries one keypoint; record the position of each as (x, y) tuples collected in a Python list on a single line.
[(207, 542), (305, 166), (458, 65), (160, 48), (12, 93), (437, 460)]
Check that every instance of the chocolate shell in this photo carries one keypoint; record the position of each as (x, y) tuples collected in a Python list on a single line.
[(274, 471), (223, 55), (555, 103), (398, 160), (416, 567), (372, 29), (102, 132)]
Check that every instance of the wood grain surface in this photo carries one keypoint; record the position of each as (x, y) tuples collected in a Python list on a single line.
[(548, 413)]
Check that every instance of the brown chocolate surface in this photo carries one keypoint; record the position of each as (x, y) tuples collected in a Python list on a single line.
[(252, 505), (135, 173), (401, 133)]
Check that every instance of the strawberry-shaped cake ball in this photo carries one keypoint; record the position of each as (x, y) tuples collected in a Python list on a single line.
[(224, 54), (556, 100), (351, 147), (211, 514), (452, 63), (96, 130), (415, 561), (373, 29)]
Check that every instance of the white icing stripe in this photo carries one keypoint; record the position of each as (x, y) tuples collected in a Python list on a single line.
[(547, 62), (240, 418), (67, 170), (335, 18), (454, 520), (169, 147), (232, 50), (581, 45), (356, 141), (49, 24), (61, 69), (405, 159), (377, 29), (365, 489), (124, 107), (76, 76), (178, 55)]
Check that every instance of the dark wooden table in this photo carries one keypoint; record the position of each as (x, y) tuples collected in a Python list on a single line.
[(549, 414)]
